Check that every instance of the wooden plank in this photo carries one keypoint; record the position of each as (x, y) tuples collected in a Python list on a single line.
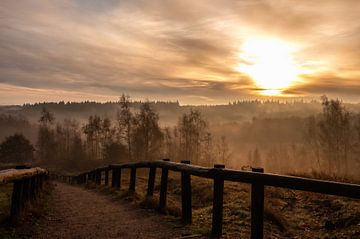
[(17, 202), (217, 215), (257, 208), (98, 174), (26, 189), (193, 170), (296, 183), (106, 176), (116, 177), (132, 179), (163, 187), (186, 196), (11, 175), (178, 167), (33, 188), (151, 181)]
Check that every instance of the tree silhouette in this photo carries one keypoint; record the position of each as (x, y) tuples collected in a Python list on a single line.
[(125, 119), (46, 118), (147, 135), (223, 151), (92, 130), (192, 128), (46, 137), (335, 134), (330, 135), (16, 149)]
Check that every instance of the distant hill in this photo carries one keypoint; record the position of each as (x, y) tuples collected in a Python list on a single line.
[(169, 112)]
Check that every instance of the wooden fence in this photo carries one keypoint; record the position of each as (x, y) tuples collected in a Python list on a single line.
[(27, 184), (257, 178)]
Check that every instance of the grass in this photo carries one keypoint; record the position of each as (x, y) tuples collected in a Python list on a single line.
[(5, 201), (33, 213), (288, 213)]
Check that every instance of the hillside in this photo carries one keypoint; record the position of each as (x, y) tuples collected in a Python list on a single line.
[(170, 111)]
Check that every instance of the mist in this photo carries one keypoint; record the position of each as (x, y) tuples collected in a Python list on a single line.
[(270, 134)]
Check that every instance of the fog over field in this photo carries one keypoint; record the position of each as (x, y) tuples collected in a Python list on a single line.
[(269, 134)]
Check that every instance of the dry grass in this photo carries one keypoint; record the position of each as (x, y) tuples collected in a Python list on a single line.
[(30, 218), (288, 213), (5, 202)]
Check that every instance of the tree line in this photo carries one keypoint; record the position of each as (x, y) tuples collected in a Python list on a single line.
[(327, 142), (134, 135)]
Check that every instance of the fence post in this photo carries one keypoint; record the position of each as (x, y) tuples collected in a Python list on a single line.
[(116, 177), (217, 215), (17, 203), (257, 208), (98, 176), (106, 177), (163, 187), (151, 181), (186, 196), (132, 179), (33, 188), (41, 181), (38, 187), (26, 189)]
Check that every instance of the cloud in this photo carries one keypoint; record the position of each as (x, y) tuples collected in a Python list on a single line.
[(179, 49), (334, 86)]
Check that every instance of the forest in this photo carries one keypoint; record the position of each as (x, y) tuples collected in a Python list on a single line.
[(280, 137)]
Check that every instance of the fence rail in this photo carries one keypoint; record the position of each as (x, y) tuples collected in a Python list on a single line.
[(27, 184), (257, 178)]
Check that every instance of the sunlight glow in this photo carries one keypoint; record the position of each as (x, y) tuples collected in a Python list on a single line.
[(270, 64)]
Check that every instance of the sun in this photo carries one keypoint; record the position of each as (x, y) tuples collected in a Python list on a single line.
[(269, 63)]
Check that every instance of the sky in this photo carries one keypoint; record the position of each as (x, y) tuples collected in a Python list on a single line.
[(197, 52)]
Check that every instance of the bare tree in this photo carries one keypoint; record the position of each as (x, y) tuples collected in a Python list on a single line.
[(92, 130), (224, 154), (311, 139), (46, 139), (16, 149), (207, 157), (331, 132), (46, 118), (147, 136), (169, 142), (125, 119), (257, 158), (192, 128)]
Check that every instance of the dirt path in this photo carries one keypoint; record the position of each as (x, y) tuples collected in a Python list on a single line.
[(79, 213)]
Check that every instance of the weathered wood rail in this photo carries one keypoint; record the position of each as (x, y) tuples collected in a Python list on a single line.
[(257, 178), (27, 184)]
